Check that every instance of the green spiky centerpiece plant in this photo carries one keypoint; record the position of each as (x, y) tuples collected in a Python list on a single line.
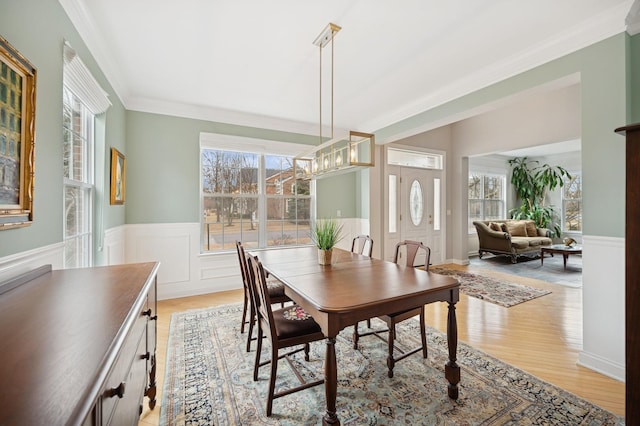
[(325, 234)]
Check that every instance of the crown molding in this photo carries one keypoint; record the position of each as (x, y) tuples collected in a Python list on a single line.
[(220, 115), (633, 18), (86, 26), (596, 29)]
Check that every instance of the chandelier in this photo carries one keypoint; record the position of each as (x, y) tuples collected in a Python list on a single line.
[(337, 155)]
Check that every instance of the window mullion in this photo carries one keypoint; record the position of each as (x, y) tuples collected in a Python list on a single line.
[(262, 203)]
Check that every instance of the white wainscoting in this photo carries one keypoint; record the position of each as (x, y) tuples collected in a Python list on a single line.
[(603, 305), (19, 263), (184, 271)]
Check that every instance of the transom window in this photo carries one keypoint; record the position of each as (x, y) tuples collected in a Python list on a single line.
[(253, 198), (486, 197)]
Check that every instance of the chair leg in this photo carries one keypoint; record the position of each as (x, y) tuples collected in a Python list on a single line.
[(256, 365), (390, 361), (244, 312), (252, 321), (423, 334), (272, 380), (356, 336), (306, 352)]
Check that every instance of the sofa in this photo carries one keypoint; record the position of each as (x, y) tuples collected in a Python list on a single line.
[(511, 237)]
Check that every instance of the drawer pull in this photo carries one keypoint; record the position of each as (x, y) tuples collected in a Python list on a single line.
[(145, 356), (119, 391), (147, 313), (153, 318)]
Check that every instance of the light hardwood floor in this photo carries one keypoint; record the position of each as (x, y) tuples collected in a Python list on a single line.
[(542, 336)]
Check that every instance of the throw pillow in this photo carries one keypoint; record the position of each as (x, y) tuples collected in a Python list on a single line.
[(517, 228), (495, 226), (532, 231)]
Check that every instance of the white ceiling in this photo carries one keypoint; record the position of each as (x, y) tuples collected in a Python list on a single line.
[(253, 62)]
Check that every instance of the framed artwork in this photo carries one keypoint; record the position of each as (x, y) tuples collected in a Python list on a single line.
[(118, 172), (17, 137)]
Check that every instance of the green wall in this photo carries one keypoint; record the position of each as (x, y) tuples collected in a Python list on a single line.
[(604, 106), (38, 30), (163, 164), (163, 152), (634, 77)]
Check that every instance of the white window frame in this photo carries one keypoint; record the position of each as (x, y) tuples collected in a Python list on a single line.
[(261, 148), (565, 200), (79, 243), (483, 175)]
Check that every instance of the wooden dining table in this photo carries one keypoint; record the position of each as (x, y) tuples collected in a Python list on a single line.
[(354, 288)]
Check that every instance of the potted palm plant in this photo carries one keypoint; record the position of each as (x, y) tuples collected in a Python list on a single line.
[(532, 183), (325, 234)]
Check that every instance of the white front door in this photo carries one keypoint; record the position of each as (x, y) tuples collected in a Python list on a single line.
[(420, 207)]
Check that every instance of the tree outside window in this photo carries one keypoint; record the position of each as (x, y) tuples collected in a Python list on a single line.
[(572, 203), (252, 198)]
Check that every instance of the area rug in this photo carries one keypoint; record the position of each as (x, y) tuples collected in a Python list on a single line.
[(209, 381), (492, 290)]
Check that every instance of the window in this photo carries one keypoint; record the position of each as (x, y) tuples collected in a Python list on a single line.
[(572, 203), (486, 197), (78, 181), (252, 198), (82, 100)]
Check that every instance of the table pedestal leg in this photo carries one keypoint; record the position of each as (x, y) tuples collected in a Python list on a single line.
[(451, 369), (330, 383)]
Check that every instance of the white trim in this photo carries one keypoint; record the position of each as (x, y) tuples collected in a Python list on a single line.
[(18, 263), (602, 365), (78, 78), (603, 305), (250, 145), (573, 39), (633, 19)]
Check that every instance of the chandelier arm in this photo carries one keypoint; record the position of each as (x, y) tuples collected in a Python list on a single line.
[(332, 34), (320, 97)]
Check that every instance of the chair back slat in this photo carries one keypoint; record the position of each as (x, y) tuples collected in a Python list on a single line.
[(412, 250), (243, 264), (258, 282), (362, 244)]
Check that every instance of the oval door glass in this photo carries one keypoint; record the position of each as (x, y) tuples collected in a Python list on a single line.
[(416, 203)]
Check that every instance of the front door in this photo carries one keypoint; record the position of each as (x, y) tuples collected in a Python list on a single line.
[(419, 206)]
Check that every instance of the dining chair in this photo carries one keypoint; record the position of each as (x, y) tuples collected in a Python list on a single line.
[(362, 244), (276, 292), (285, 328), (407, 252)]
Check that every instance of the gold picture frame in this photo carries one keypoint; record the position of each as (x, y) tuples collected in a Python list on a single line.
[(17, 137), (118, 176)]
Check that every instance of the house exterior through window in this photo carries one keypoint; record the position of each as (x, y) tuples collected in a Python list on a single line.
[(252, 198)]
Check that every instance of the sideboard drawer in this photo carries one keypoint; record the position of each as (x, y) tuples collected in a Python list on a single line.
[(127, 409), (119, 387)]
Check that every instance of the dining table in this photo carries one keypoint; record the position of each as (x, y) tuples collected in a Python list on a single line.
[(354, 288)]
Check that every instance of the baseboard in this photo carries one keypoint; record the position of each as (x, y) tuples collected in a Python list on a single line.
[(602, 365)]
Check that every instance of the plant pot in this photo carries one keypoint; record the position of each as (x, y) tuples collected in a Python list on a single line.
[(324, 257)]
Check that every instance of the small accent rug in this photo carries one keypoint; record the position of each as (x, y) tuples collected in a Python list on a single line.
[(492, 290), (209, 381)]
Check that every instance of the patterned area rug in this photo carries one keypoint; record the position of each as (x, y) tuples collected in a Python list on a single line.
[(492, 290), (209, 382)]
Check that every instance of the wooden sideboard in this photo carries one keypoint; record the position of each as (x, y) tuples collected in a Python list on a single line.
[(632, 274), (78, 345)]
